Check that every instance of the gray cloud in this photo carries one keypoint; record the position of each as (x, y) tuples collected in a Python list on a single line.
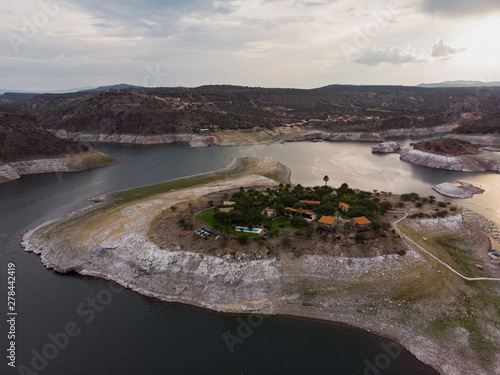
[(127, 17), (458, 8), (440, 49), (391, 55)]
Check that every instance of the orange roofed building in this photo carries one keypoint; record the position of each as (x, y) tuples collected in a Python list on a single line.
[(361, 223), (343, 206), (327, 222)]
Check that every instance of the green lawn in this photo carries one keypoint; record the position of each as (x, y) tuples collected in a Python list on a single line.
[(208, 218)]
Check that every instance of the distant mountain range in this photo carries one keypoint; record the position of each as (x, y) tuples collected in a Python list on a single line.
[(120, 86), (460, 84)]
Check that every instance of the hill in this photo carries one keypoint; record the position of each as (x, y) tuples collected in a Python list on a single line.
[(488, 124), (23, 138), (120, 86), (460, 84), (215, 108)]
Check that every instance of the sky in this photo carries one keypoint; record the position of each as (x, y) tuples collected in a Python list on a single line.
[(60, 44)]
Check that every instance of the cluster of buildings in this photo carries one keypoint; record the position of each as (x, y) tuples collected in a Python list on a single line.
[(346, 118), (325, 222)]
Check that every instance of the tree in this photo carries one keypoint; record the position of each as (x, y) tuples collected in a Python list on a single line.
[(328, 209), (326, 178), (368, 204), (297, 221), (385, 205)]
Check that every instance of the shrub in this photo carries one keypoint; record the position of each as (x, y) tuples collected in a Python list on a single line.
[(441, 204), (386, 205), (359, 237), (273, 232), (298, 233), (440, 214), (418, 204), (242, 238), (401, 204), (453, 208), (286, 241), (297, 221), (309, 232)]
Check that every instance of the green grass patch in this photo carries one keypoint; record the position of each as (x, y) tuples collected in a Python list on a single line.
[(280, 222), (207, 217)]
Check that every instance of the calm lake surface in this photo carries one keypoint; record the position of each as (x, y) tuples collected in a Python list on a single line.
[(133, 334)]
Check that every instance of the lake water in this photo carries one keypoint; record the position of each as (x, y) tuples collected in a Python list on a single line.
[(132, 334)]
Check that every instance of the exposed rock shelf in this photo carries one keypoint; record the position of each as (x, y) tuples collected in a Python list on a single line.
[(69, 163), (386, 148), (465, 190), (482, 161), (249, 137)]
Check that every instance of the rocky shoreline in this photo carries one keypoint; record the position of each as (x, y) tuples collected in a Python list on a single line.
[(115, 244), (483, 161), (250, 137), (69, 163)]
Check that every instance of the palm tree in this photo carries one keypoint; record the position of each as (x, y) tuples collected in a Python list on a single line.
[(326, 178)]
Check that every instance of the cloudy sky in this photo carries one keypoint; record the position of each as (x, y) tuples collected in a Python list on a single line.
[(55, 44)]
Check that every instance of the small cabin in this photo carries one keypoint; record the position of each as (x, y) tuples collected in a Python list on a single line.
[(343, 206), (309, 215), (270, 212), (361, 223), (327, 222)]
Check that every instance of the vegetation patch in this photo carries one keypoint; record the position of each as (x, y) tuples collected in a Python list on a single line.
[(447, 147)]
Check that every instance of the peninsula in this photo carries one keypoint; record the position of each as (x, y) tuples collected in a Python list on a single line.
[(28, 148), (341, 254)]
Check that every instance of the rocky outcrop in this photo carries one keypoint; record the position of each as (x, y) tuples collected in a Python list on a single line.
[(483, 161), (40, 166), (193, 140), (465, 190), (386, 147), (68, 163), (7, 173)]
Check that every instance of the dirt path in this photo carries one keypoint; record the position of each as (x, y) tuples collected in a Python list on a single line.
[(408, 239)]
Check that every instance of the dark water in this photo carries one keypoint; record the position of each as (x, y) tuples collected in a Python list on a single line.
[(125, 333)]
